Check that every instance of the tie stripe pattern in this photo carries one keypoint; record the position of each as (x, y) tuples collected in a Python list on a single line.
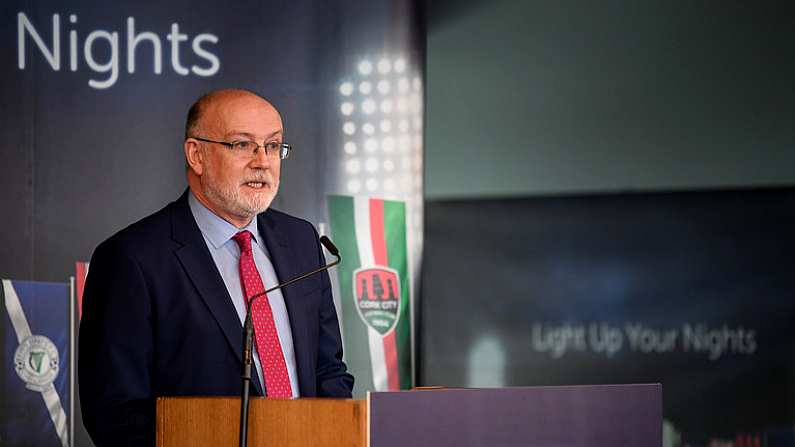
[(274, 368)]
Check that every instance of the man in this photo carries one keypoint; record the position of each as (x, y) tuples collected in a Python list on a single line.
[(165, 298)]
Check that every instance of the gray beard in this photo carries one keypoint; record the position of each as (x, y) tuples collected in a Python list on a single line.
[(236, 203)]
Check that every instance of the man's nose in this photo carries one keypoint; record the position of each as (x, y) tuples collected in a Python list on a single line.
[(261, 158)]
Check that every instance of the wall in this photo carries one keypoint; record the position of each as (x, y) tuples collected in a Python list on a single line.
[(534, 97)]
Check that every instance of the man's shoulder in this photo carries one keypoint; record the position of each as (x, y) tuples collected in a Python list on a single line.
[(153, 230), (283, 219), (288, 226)]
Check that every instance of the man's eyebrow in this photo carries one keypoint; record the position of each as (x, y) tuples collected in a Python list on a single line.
[(251, 136)]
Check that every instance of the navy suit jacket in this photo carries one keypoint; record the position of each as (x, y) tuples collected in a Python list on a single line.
[(158, 321)]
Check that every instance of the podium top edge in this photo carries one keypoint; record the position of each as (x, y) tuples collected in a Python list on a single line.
[(520, 388)]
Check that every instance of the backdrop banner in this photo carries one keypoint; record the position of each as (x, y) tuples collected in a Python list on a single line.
[(94, 97), (693, 290), (36, 363)]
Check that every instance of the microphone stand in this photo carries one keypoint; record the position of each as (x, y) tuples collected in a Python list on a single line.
[(248, 336)]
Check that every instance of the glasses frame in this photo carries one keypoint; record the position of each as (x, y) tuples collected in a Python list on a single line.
[(284, 148)]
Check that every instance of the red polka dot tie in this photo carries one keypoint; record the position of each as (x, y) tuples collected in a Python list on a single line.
[(274, 368)]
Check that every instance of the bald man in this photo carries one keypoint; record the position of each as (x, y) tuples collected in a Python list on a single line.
[(165, 299)]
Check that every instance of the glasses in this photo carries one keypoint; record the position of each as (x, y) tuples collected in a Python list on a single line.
[(245, 147)]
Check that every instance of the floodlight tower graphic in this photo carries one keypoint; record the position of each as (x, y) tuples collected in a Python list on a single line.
[(382, 127)]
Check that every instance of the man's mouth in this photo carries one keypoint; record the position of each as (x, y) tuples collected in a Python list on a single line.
[(256, 185)]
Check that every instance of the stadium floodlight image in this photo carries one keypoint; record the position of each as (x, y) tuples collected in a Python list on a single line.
[(382, 118)]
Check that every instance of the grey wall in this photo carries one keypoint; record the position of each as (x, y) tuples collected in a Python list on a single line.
[(528, 97)]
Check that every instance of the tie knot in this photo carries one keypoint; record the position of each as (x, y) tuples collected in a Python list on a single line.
[(243, 240)]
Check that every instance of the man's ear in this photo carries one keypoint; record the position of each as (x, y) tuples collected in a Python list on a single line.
[(194, 157)]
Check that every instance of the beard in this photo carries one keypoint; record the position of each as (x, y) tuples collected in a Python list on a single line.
[(228, 193)]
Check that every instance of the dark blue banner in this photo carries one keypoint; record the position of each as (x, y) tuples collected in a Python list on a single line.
[(36, 364)]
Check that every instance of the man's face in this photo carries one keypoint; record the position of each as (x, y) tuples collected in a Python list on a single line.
[(238, 186)]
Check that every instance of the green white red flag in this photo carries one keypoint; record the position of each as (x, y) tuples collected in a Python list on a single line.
[(374, 290)]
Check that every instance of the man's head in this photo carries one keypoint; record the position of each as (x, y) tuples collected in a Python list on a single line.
[(235, 185)]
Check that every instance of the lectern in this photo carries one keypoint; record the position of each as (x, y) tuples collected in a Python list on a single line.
[(213, 421), (572, 416)]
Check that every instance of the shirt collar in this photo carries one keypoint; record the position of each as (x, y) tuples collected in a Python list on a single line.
[(214, 228)]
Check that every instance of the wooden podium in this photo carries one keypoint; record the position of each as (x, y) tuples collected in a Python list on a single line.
[(574, 416), (214, 421)]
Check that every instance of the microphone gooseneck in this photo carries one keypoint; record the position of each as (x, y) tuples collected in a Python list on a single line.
[(248, 336)]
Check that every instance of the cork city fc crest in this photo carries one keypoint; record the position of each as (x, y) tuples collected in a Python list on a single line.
[(377, 293)]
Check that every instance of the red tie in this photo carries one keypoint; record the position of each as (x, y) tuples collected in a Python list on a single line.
[(271, 357)]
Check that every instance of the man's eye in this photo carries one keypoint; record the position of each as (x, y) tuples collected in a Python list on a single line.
[(244, 145), (272, 146)]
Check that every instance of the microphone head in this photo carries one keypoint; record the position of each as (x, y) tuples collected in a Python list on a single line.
[(329, 246)]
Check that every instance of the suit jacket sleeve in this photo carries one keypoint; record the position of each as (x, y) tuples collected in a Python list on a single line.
[(333, 379), (116, 350)]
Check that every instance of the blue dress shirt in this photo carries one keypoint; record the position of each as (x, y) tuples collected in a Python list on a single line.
[(218, 235)]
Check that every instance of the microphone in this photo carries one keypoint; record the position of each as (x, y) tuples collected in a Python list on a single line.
[(330, 247), (248, 335)]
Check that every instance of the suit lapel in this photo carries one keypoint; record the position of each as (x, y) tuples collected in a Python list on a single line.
[(282, 258), (200, 268)]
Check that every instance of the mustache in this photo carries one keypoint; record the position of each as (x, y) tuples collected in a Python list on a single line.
[(258, 178)]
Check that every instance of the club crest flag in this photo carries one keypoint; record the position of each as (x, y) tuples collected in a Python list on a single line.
[(374, 290), (35, 377)]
